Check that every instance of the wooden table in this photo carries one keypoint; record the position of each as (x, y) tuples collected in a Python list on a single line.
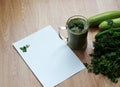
[(20, 18)]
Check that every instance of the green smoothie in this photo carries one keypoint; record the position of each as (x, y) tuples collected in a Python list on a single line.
[(77, 28)]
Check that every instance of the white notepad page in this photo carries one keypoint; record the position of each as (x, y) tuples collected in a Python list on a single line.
[(49, 58)]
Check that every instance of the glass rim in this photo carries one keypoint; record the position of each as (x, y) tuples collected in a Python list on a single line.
[(78, 16)]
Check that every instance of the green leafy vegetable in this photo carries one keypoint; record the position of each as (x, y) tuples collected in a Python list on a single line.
[(110, 22), (24, 48), (106, 55)]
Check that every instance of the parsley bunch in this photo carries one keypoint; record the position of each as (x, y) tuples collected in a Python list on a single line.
[(106, 55)]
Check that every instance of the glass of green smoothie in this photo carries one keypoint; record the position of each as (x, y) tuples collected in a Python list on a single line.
[(77, 29)]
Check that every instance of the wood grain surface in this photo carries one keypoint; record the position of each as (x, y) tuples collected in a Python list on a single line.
[(20, 18)]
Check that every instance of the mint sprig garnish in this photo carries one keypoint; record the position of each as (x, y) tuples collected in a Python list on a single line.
[(24, 48)]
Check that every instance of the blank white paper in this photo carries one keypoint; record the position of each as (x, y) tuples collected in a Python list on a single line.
[(49, 58)]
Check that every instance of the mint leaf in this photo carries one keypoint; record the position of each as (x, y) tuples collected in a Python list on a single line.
[(110, 22), (24, 48)]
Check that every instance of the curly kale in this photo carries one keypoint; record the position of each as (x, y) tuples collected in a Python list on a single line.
[(106, 55)]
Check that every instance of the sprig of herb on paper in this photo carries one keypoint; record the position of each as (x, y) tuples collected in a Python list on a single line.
[(24, 48)]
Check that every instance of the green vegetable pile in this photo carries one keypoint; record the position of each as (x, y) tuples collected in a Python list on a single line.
[(106, 54)]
